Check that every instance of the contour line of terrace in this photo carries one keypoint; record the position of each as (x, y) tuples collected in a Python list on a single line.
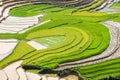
[(112, 52)]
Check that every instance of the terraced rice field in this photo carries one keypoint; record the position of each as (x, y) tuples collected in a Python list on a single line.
[(77, 37)]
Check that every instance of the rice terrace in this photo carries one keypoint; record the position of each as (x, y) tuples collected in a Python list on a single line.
[(59, 39)]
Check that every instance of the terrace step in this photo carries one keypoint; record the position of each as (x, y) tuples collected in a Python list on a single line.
[(15, 72), (112, 52), (86, 5), (5, 8), (9, 4), (17, 24), (103, 5), (19, 70)]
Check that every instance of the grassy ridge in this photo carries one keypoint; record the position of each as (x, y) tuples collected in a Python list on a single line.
[(65, 31), (116, 5), (77, 43), (98, 2), (73, 45), (28, 10), (88, 51), (41, 60), (100, 70)]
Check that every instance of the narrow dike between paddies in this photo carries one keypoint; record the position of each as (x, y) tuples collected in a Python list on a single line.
[(103, 5), (11, 70), (108, 9), (20, 74), (8, 5), (110, 53), (44, 56)]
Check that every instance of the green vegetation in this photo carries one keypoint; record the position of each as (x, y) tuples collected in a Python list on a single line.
[(50, 41), (117, 19), (79, 43), (76, 43), (61, 52), (97, 3), (21, 49), (28, 10), (33, 71), (116, 5), (100, 70), (77, 36)]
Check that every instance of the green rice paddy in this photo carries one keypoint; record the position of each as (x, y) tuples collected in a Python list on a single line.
[(69, 36)]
